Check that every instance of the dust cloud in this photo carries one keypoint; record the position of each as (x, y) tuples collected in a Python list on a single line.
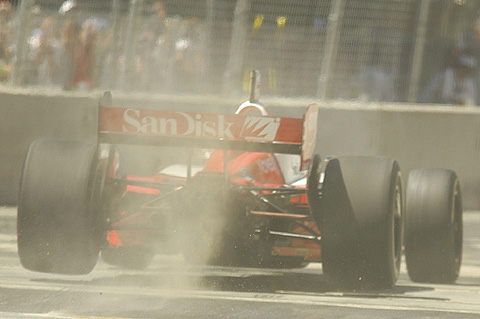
[(193, 220)]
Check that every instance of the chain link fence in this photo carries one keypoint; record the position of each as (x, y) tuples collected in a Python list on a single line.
[(372, 50)]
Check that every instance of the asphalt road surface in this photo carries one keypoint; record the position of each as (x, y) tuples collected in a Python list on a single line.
[(171, 289)]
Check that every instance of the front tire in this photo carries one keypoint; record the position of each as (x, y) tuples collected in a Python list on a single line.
[(434, 226), (361, 222)]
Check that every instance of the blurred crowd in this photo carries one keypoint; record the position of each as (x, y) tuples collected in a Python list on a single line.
[(6, 40), (458, 83), (80, 48), (455, 81), (75, 51)]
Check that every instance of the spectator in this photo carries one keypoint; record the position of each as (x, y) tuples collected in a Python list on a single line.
[(83, 76), (470, 42), (5, 40), (470, 39), (6, 25), (4, 58), (457, 85), (158, 22), (7, 21), (111, 59), (69, 43), (154, 49), (146, 70), (190, 55), (376, 84), (43, 53)]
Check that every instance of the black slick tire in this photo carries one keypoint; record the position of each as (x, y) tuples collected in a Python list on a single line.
[(434, 226), (57, 229), (362, 221)]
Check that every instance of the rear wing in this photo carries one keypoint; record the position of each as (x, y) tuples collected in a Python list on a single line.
[(118, 125)]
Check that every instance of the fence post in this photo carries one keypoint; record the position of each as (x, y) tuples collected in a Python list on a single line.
[(111, 80), (233, 70), (211, 4), (333, 32), (129, 53), (418, 51), (21, 37)]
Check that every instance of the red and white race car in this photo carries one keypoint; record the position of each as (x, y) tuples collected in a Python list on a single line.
[(261, 199)]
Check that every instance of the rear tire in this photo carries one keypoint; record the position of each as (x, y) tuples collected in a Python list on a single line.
[(57, 229), (434, 226), (361, 222)]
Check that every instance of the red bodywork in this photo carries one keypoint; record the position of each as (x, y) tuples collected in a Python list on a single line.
[(264, 172), (132, 225)]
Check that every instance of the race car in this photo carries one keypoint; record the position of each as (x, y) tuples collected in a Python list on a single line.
[(251, 193)]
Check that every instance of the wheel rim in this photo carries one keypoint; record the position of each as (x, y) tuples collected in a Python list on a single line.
[(313, 185), (457, 227), (398, 224)]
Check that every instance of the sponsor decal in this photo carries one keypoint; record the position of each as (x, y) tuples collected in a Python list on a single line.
[(179, 124), (166, 123), (260, 128)]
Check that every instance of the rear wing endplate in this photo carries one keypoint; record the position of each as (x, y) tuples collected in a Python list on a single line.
[(118, 125)]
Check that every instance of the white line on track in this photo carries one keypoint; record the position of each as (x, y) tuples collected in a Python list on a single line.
[(14, 315), (331, 300)]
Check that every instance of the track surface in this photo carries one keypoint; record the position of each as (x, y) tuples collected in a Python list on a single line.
[(171, 289)]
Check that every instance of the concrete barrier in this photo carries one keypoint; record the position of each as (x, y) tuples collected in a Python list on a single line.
[(415, 135)]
